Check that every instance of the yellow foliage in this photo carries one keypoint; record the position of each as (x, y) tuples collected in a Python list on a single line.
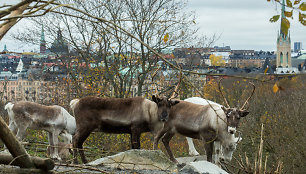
[(166, 37), (216, 60)]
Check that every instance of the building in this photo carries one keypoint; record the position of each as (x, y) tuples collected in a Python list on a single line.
[(283, 53), (21, 89), (297, 47)]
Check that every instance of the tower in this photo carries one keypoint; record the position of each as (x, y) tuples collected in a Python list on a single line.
[(5, 49), (59, 46), (283, 52), (42, 41)]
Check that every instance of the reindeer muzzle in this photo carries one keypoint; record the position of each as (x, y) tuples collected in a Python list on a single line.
[(164, 117), (231, 130)]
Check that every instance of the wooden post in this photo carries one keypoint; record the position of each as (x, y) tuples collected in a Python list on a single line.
[(15, 148)]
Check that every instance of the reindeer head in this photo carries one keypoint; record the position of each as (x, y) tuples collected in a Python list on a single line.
[(233, 115), (164, 105), (228, 150)]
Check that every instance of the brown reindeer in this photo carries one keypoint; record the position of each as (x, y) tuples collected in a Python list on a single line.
[(210, 123), (116, 115)]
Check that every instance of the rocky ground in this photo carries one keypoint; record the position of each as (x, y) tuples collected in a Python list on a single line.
[(144, 162), (131, 162)]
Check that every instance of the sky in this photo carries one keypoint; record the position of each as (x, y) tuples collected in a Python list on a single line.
[(241, 24)]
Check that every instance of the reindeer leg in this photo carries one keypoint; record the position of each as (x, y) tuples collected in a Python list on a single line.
[(135, 137), (166, 139), (217, 149), (13, 127), (21, 132), (135, 140), (77, 141), (51, 144), (192, 150), (54, 140), (157, 137), (209, 150)]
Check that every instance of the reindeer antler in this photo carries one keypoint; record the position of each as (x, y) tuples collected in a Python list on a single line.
[(175, 93), (249, 97), (153, 75), (219, 87)]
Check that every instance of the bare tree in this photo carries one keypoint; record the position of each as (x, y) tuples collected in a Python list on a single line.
[(124, 61)]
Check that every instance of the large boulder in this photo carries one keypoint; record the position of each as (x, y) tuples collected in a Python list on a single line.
[(137, 160)]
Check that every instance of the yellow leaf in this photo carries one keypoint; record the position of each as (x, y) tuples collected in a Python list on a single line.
[(266, 70), (275, 88), (285, 25), (166, 37), (303, 6)]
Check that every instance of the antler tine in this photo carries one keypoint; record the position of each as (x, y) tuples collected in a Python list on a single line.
[(153, 75), (249, 97), (175, 93), (219, 87), (239, 137)]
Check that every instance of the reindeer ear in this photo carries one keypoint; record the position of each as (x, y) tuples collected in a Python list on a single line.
[(174, 102), (243, 113), (154, 99)]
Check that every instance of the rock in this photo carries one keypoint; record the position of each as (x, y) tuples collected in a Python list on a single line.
[(187, 160), (137, 160), (201, 167)]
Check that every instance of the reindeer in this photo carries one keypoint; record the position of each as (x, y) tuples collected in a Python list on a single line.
[(223, 154), (209, 123), (116, 115), (53, 119)]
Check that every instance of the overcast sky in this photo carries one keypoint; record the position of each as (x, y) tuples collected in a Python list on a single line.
[(242, 24)]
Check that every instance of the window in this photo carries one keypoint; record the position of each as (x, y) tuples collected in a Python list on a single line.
[(281, 58)]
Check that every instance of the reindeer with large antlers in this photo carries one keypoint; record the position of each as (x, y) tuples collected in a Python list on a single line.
[(210, 123)]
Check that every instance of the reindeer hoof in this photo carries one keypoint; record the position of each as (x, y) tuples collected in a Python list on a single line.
[(56, 158)]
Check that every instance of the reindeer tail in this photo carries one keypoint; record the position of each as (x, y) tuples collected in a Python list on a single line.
[(9, 106), (73, 103)]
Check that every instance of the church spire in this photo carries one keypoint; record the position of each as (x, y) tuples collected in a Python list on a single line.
[(42, 36), (5, 49), (42, 41)]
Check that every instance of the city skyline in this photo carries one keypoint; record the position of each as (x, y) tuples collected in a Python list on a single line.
[(241, 25)]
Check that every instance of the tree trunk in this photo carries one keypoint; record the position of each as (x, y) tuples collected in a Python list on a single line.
[(23, 171), (40, 163), (16, 149)]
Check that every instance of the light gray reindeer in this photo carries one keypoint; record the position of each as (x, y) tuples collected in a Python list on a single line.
[(222, 154), (209, 123), (53, 119)]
